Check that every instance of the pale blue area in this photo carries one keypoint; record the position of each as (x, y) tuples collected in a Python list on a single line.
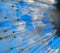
[(29, 26)]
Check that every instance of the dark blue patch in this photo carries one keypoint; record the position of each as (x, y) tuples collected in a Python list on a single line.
[(20, 4), (46, 20), (18, 13), (45, 13), (29, 27), (27, 18)]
